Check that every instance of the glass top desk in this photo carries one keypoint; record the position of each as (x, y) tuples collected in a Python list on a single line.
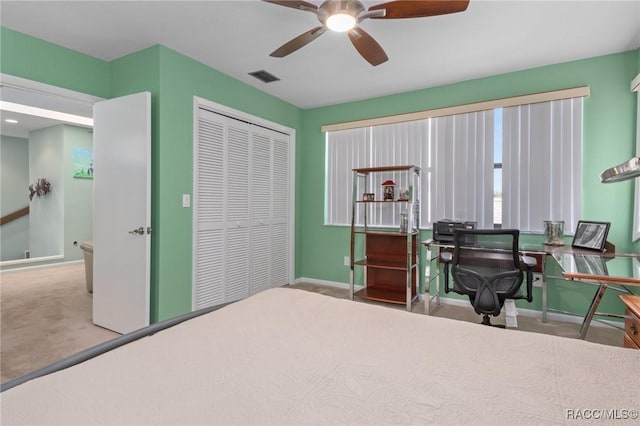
[(602, 270), (576, 264)]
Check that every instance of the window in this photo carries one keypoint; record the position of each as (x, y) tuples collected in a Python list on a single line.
[(635, 235), (542, 172), (510, 167)]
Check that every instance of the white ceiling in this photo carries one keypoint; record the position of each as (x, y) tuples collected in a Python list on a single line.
[(236, 37), (28, 122)]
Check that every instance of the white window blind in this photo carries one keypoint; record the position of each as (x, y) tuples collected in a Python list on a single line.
[(397, 144), (455, 154), (542, 168), (345, 150), (538, 169), (460, 171)]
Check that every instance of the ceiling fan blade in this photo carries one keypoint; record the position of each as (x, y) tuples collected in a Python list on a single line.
[(302, 5), (298, 42), (419, 8), (367, 46)]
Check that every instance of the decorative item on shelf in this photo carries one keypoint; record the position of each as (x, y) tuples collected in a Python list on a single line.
[(40, 187), (404, 195), (404, 221), (368, 196), (554, 232), (388, 190)]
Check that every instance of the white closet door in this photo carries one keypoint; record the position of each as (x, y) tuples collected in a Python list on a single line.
[(280, 208), (241, 209), (237, 209), (260, 211), (209, 214)]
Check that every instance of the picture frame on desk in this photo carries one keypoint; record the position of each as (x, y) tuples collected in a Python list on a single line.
[(591, 235)]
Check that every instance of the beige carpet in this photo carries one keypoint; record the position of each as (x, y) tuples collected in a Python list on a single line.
[(45, 316), (598, 333)]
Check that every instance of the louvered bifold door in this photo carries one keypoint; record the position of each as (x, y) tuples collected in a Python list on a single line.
[(209, 214), (237, 203), (280, 210), (221, 219), (270, 192), (241, 209), (260, 210)]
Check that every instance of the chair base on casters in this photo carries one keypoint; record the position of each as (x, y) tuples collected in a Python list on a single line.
[(486, 320)]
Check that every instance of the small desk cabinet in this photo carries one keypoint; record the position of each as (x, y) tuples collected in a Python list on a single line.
[(631, 321)]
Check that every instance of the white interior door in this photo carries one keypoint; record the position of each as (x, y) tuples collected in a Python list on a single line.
[(122, 216)]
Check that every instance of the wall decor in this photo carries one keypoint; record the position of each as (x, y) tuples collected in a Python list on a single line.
[(82, 161), (40, 187)]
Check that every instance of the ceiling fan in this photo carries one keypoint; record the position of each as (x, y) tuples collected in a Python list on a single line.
[(346, 15)]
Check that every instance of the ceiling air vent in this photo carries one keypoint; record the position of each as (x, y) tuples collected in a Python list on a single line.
[(264, 76)]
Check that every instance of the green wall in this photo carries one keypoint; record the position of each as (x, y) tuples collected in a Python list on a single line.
[(163, 72), (182, 78), (609, 138), (38, 60), (173, 79)]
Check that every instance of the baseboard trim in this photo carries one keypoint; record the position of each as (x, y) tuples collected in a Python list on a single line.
[(555, 316), (46, 265), (326, 283)]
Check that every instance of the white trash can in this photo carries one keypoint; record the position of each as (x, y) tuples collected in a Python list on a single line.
[(87, 249)]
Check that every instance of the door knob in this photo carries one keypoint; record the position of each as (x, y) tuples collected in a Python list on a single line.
[(139, 231)]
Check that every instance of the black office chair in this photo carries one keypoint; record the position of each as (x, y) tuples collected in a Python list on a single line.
[(487, 267)]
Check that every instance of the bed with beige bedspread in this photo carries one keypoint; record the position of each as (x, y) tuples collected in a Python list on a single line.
[(291, 357)]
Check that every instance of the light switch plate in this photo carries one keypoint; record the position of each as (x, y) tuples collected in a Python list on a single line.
[(186, 200)]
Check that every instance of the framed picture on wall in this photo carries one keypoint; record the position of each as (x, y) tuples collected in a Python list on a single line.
[(82, 161), (591, 235)]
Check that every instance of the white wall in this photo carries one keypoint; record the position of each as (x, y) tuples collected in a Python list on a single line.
[(63, 219), (46, 215), (14, 181), (78, 199)]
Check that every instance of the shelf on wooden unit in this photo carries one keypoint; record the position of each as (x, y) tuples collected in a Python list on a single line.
[(384, 264), (382, 295), (387, 233)]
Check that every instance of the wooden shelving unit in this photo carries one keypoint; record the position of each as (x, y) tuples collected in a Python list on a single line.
[(389, 256)]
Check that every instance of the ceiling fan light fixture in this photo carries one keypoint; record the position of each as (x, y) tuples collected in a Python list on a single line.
[(341, 22)]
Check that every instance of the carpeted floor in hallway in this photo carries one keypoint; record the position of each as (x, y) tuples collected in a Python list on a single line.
[(45, 316)]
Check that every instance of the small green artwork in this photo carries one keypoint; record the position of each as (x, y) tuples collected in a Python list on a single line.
[(83, 163)]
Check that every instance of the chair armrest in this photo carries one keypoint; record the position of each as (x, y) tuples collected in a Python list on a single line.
[(529, 261), (446, 257)]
